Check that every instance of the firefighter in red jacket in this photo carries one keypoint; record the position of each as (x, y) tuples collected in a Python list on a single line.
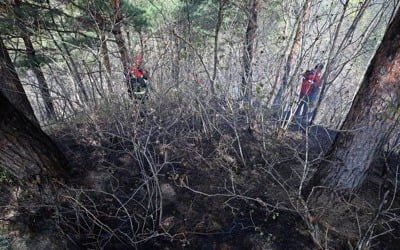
[(309, 90), (137, 79)]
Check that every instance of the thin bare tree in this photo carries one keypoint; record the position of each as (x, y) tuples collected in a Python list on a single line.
[(220, 15), (248, 51), (293, 51)]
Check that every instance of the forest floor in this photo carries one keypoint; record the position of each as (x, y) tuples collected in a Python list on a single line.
[(159, 179), (209, 197)]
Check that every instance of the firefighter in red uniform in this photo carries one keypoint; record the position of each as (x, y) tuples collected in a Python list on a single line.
[(137, 79), (309, 90)]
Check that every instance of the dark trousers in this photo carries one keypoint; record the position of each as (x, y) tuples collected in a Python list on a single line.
[(136, 86)]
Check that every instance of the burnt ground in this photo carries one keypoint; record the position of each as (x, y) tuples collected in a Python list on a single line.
[(160, 181), (208, 195)]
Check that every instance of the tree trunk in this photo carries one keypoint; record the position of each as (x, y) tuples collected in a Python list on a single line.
[(221, 6), (305, 12), (176, 59), (29, 155), (106, 62), (123, 52), (372, 116), (250, 36), (11, 86), (25, 150), (71, 64), (44, 88), (117, 32)]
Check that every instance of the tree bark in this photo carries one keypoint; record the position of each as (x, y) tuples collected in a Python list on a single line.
[(30, 156), (123, 52), (44, 88), (11, 86), (250, 36), (372, 116), (25, 150), (117, 32)]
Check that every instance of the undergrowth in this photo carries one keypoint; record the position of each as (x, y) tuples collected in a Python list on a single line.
[(191, 172)]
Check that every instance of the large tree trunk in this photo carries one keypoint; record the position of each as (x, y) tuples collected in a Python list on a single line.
[(250, 36), (29, 155), (11, 86), (25, 150), (373, 115), (44, 88)]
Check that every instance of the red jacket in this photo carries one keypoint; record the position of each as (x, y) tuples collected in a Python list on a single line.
[(310, 81), (137, 70), (138, 73)]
